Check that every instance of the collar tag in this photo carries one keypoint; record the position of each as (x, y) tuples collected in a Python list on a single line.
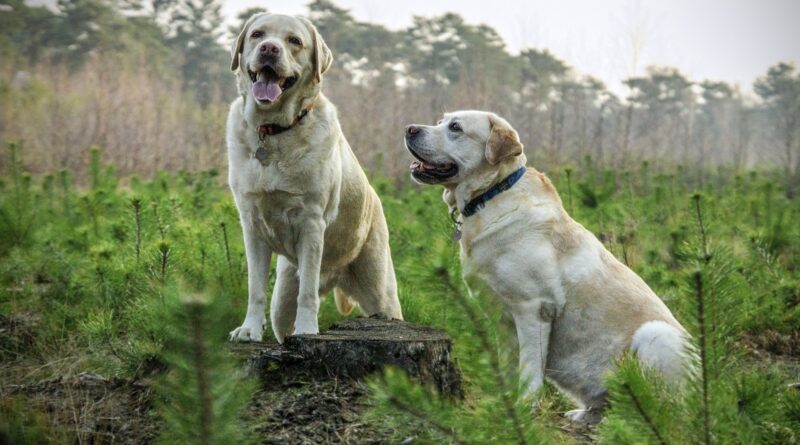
[(457, 231), (262, 155)]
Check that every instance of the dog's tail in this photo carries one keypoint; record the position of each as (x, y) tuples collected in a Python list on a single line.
[(344, 304), (665, 349)]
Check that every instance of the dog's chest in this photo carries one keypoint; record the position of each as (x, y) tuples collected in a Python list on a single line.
[(276, 217), (516, 265), (253, 177), (272, 202)]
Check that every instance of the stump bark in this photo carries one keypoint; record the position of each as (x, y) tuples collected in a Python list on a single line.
[(359, 347)]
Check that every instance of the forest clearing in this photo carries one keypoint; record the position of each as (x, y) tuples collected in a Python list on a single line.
[(123, 267)]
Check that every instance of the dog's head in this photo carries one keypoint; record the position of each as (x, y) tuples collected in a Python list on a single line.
[(463, 145), (276, 55)]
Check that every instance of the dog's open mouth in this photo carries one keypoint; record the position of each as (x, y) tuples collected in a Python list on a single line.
[(429, 172), (268, 86)]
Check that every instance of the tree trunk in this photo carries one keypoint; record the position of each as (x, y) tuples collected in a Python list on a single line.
[(359, 347)]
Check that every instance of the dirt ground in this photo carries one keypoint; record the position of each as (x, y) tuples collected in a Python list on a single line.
[(315, 412), (289, 407), (89, 409)]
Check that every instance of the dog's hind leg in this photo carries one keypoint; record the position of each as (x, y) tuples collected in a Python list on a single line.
[(283, 308), (370, 278)]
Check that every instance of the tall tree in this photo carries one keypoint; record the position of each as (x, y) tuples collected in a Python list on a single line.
[(241, 19), (540, 78), (26, 32), (196, 31), (780, 91), (84, 26), (359, 48), (720, 114), (666, 102)]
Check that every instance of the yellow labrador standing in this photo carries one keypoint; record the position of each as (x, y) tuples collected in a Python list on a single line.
[(298, 187), (575, 307)]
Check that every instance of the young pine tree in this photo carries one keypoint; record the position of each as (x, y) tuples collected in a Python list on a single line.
[(202, 393), (725, 400)]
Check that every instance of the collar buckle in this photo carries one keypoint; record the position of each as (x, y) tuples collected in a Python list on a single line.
[(273, 129)]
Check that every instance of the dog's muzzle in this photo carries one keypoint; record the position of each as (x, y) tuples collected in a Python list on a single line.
[(268, 85), (422, 169)]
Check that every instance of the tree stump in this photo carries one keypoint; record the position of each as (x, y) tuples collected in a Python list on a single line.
[(359, 347)]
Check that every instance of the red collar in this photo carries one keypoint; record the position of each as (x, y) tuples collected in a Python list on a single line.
[(273, 129)]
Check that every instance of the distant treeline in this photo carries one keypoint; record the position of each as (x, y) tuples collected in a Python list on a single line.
[(149, 82)]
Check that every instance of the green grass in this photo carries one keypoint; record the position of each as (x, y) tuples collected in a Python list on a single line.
[(97, 267)]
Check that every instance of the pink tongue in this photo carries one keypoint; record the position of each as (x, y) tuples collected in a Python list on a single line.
[(266, 91)]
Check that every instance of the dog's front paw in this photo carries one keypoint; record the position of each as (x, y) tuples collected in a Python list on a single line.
[(306, 322), (534, 403), (585, 416), (250, 330)]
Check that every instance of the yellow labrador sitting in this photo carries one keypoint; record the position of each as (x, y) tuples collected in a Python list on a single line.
[(298, 187), (576, 308)]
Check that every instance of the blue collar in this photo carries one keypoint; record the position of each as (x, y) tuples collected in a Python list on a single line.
[(479, 202)]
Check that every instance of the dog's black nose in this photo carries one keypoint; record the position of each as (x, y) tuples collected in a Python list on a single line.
[(270, 48), (411, 130)]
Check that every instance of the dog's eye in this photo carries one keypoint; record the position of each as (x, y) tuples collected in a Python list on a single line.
[(256, 34), (454, 126), (295, 41)]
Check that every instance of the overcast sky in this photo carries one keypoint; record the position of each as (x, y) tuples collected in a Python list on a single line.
[(731, 40)]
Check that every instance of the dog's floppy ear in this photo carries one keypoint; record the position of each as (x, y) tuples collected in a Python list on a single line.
[(503, 142), (238, 44), (321, 55)]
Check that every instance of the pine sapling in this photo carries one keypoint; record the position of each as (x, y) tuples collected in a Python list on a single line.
[(425, 418), (19, 224), (645, 417), (137, 216), (568, 172), (623, 242), (194, 312), (202, 393), (701, 319), (701, 326), (494, 357), (696, 197), (163, 251), (64, 179), (94, 167), (47, 189), (162, 231), (227, 248)]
